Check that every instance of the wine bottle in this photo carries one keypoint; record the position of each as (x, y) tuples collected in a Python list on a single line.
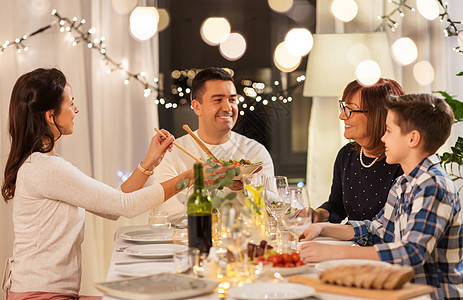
[(199, 210)]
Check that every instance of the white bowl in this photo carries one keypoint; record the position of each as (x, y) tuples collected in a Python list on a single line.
[(246, 170)]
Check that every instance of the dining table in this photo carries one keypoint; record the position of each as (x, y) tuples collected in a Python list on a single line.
[(121, 258)]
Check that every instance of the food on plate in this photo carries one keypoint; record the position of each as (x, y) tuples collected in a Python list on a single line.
[(241, 162), (261, 250), (368, 276), (284, 260)]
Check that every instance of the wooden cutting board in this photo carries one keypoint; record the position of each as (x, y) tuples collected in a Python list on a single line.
[(408, 291)]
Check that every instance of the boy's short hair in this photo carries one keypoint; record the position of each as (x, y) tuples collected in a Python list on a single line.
[(211, 73), (430, 115)]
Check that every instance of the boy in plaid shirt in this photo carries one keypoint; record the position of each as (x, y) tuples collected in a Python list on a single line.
[(421, 223)]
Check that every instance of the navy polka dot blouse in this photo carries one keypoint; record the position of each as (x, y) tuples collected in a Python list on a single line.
[(359, 193)]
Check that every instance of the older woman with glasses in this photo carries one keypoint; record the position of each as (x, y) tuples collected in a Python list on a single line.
[(361, 178)]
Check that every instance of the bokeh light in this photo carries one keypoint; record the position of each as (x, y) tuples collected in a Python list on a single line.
[(234, 47), (285, 60), (299, 41), (164, 19), (215, 30), (344, 10), (280, 6), (368, 72), (144, 22), (423, 72), (404, 51), (428, 8)]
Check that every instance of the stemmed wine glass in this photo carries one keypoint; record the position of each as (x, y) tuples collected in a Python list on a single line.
[(298, 217), (277, 195), (277, 201)]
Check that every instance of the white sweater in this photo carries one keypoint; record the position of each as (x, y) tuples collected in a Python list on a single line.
[(49, 206), (176, 162)]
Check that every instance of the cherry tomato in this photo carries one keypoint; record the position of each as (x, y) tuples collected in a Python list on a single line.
[(289, 265), (299, 263), (279, 266), (286, 258), (260, 260), (295, 256), (275, 259)]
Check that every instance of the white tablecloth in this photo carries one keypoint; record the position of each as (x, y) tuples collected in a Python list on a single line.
[(123, 257)]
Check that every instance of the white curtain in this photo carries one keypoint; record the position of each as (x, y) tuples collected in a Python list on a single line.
[(115, 122), (325, 130)]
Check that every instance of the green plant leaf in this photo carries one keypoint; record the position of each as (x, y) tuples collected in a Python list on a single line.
[(450, 159), (217, 201), (230, 173), (210, 170), (214, 177), (227, 181), (230, 196), (460, 74), (216, 186), (182, 184), (455, 104)]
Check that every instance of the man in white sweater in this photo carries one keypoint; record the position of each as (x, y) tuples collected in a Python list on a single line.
[(214, 100)]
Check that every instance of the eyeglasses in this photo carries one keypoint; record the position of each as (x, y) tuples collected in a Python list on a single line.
[(347, 110)]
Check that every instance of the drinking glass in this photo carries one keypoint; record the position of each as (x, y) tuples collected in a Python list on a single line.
[(180, 236), (234, 234), (159, 220), (277, 195), (190, 259), (298, 217), (255, 182), (277, 201)]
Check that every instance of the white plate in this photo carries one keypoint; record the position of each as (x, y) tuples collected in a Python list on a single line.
[(154, 250), (157, 287), (271, 291), (328, 241), (149, 235), (289, 271), (145, 269), (338, 262)]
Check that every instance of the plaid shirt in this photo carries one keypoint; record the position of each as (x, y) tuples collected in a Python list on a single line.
[(421, 226)]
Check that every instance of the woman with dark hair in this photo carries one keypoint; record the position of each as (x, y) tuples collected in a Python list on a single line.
[(50, 195), (361, 177)]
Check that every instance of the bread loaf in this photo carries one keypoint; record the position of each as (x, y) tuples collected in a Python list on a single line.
[(368, 276)]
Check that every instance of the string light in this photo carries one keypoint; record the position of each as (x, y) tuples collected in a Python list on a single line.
[(259, 92), (451, 29), (387, 20), (73, 26)]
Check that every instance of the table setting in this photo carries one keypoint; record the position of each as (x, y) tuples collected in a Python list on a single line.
[(124, 267), (246, 250), (154, 261)]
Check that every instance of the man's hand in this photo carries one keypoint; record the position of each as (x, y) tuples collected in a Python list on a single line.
[(237, 185), (220, 170)]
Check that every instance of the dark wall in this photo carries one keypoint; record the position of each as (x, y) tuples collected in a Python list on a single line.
[(181, 48), (248, 17)]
